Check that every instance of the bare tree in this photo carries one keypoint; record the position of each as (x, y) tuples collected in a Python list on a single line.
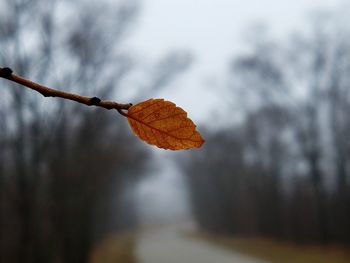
[(283, 170), (60, 158)]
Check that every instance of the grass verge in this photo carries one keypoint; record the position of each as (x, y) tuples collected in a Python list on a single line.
[(280, 252), (115, 249)]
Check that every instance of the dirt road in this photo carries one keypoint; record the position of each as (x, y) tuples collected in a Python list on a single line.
[(171, 245)]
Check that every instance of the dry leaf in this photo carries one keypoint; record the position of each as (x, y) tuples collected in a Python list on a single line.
[(161, 123)]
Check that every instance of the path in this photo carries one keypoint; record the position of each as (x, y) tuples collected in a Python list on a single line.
[(170, 245)]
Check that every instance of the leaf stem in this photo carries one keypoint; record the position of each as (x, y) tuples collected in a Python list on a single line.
[(6, 73)]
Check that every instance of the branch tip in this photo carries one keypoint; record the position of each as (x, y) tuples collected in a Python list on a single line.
[(50, 92)]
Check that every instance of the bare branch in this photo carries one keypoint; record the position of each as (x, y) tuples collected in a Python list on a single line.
[(6, 73)]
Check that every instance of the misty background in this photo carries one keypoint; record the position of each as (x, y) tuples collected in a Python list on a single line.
[(266, 81)]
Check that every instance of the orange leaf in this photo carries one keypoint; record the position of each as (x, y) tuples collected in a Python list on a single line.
[(161, 123)]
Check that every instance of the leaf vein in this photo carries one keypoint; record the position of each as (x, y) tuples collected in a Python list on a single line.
[(147, 106), (167, 117)]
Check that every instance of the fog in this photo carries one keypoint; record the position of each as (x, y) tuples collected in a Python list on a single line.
[(266, 83), (162, 196)]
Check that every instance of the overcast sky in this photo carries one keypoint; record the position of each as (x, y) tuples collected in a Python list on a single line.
[(213, 31)]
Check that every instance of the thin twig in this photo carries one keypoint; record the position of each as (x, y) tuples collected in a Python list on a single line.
[(6, 73)]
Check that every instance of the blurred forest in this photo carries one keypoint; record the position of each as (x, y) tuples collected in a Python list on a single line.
[(67, 171), (282, 169)]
